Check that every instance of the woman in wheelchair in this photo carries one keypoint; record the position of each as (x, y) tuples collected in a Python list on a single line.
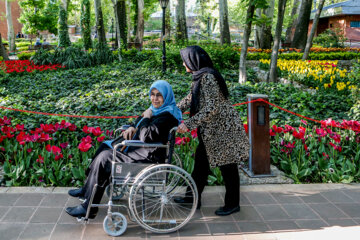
[(152, 126)]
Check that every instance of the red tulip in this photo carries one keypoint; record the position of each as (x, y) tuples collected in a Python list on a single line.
[(58, 156), (72, 127), (100, 139), (96, 131), (64, 145), (194, 133), (40, 159), (84, 147), (86, 139), (85, 129)]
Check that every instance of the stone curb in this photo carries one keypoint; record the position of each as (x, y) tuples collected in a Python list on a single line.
[(209, 189)]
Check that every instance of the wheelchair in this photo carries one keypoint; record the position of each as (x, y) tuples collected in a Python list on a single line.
[(151, 190)]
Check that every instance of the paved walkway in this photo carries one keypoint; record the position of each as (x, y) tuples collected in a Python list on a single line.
[(286, 212)]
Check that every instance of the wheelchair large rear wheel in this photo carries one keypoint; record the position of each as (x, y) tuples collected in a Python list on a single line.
[(151, 198)]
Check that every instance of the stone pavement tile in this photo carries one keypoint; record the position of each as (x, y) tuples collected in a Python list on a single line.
[(299, 211), (259, 197), (72, 202), (67, 231), (353, 194), (253, 227), (336, 197), (34, 190), (209, 215), (311, 224), (30, 199), (173, 235), (211, 199), (313, 197), (19, 214), (229, 228), (11, 231), (95, 232), (54, 200), (3, 189), (357, 220), (8, 199), (34, 231), (198, 217), (351, 209), (46, 215), (342, 222), (3, 210), (287, 226), (244, 200), (67, 219), (327, 211), (100, 216), (133, 231), (228, 237), (286, 197), (272, 212), (194, 231), (247, 213)]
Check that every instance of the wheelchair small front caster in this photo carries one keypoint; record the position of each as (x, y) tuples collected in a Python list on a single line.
[(115, 226)]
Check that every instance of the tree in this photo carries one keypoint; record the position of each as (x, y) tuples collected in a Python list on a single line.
[(167, 23), (85, 23), (272, 77), (120, 22), (3, 51), (265, 36), (10, 26), (301, 31), (245, 42), (181, 29), (140, 22), (100, 28), (224, 23), (292, 23), (64, 39), (39, 15), (313, 30)]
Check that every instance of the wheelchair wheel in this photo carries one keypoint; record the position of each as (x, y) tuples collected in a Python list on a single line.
[(118, 192), (151, 198), (116, 226)]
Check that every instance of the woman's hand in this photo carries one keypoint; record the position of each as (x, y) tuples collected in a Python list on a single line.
[(147, 113), (182, 128), (129, 133)]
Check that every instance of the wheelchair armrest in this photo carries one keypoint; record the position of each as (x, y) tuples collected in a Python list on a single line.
[(122, 128), (138, 143)]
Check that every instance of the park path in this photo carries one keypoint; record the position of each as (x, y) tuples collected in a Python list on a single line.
[(278, 211)]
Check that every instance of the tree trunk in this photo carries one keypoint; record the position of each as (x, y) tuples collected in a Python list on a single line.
[(120, 23), (140, 23), (313, 30), (265, 37), (64, 39), (275, 51), (85, 24), (128, 20), (224, 22), (292, 22), (10, 26), (257, 29), (245, 43), (135, 16), (181, 29), (3, 51), (301, 31), (100, 29)]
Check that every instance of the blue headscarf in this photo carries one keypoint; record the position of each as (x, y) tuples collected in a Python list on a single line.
[(169, 104)]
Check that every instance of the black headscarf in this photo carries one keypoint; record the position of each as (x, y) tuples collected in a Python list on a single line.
[(198, 61)]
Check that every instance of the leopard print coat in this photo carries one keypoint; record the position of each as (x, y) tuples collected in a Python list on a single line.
[(222, 130)]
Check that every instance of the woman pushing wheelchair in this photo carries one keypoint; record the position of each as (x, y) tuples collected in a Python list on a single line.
[(152, 126)]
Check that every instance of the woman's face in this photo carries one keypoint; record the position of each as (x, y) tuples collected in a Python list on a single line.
[(187, 69), (157, 99)]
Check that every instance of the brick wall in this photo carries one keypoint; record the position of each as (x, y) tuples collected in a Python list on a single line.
[(15, 10), (352, 33)]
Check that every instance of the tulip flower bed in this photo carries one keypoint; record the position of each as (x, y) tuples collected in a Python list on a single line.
[(52, 154), (21, 66), (324, 75), (313, 49), (327, 153)]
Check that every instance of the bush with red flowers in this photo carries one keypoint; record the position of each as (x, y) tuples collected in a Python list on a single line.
[(21, 66)]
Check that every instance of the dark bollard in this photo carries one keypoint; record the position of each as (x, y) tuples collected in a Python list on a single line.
[(259, 138)]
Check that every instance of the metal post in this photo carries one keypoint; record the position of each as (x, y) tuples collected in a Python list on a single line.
[(208, 27), (259, 138), (163, 42)]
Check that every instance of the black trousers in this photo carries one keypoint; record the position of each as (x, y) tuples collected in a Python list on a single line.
[(229, 173)]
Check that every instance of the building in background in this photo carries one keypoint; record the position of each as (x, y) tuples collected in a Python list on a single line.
[(344, 16), (15, 10)]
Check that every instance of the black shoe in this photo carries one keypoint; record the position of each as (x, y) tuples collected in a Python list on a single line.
[(224, 211), (80, 211), (76, 192), (183, 200)]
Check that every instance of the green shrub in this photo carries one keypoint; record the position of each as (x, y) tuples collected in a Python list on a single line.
[(25, 55), (1, 58), (330, 38)]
